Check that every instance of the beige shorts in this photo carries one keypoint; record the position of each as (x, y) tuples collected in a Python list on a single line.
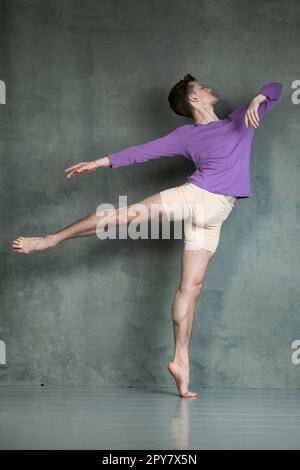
[(202, 211)]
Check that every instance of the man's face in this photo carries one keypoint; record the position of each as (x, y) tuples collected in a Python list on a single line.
[(203, 95)]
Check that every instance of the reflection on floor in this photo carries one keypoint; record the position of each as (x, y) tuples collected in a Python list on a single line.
[(133, 418)]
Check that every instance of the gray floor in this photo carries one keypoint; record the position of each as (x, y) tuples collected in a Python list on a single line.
[(131, 418)]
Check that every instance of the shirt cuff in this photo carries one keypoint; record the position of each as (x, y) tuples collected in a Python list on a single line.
[(271, 90), (113, 160)]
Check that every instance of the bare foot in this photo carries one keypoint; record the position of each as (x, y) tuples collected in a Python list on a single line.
[(29, 244), (181, 375)]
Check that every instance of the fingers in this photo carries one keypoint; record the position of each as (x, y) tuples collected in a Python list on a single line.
[(78, 171), (74, 172), (70, 168), (82, 167), (78, 165), (251, 118)]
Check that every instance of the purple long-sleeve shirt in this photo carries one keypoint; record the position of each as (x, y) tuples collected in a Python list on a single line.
[(220, 150)]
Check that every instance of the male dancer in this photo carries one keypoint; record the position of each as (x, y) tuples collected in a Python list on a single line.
[(221, 152)]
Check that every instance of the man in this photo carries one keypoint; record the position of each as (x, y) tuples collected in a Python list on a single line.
[(220, 150)]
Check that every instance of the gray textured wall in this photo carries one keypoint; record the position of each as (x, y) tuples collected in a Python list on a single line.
[(88, 77)]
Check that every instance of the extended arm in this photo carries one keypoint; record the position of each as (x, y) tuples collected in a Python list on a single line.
[(172, 144)]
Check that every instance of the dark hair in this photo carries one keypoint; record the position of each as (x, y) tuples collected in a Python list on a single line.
[(177, 97)]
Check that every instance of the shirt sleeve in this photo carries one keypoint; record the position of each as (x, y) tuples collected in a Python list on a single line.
[(172, 144), (272, 92)]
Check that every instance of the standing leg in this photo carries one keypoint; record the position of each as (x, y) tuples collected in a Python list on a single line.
[(193, 270), (88, 225)]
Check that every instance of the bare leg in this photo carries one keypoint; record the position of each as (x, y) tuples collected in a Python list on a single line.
[(194, 267), (88, 225)]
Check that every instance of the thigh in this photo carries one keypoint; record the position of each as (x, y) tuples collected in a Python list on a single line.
[(209, 211), (176, 204), (198, 236), (142, 211), (194, 264)]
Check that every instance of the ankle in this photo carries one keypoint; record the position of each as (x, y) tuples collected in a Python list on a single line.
[(52, 240), (182, 362)]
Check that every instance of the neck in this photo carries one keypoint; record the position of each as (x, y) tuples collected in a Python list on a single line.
[(204, 115)]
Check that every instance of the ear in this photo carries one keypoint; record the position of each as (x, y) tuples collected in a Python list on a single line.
[(192, 97)]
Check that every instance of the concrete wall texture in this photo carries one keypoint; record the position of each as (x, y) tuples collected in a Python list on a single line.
[(88, 77)]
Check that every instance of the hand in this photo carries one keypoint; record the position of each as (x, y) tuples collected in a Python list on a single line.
[(83, 167), (251, 115)]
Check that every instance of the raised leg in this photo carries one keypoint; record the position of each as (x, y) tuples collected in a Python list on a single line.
[(152, 208), (193, 270)]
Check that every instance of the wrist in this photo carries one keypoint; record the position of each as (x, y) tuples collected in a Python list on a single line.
[(259, 98), (102, 162), (98, 162)]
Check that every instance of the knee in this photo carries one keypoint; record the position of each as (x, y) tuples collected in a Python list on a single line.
[(125, 215), (191, 290), (121, 215), (114, 216)]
